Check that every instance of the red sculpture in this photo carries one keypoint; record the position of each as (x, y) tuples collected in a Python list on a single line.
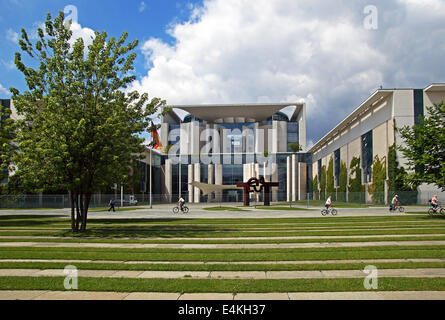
[(254, 183)]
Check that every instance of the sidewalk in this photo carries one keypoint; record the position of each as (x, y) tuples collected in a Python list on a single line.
[(85, 295), (324, 274), (223, 246)]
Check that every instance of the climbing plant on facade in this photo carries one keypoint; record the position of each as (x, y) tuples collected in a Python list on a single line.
[(342, 188), (356, 190), (377, 188), (330, 189)]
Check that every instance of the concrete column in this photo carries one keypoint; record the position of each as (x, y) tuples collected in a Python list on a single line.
[(164, 134), (226, 146), (259, 138), (218, 180), (257, 175), (266, 171), (282, 136), (197, 175), (302, 127), (302, 179), (294, 177), (289, 178), (274, 136), (190, 177), (194, 141), (184, 141), (211, 172), (168, 180), (274, 178), (246, 172)]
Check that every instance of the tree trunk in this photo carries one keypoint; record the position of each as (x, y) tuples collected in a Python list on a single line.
[(78, 214), (85, 202), (73, 221)]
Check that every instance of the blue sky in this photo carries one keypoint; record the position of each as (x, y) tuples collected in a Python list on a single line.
[(141, 19), (330, 54)]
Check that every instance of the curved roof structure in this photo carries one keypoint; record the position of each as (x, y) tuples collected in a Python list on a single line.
[(227, 113)]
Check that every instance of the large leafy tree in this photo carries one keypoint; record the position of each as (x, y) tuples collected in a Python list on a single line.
[(425, 147), (7, 146), (80, 128)]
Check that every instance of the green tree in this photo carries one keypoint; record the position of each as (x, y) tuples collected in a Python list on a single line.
[(80, 129), (398, 180), (323, 183), (315, 188), (7, 148), (295, 147), (425, 148), (342, 188), (330, 189), (356, 189), (377, 188)]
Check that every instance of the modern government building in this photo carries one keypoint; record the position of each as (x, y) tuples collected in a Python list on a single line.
[(230, 143)]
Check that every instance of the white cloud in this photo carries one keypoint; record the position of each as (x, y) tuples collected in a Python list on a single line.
[(86, 34), (142, 6), (9, 65), (11, 35), (4, 91), (284, 51)]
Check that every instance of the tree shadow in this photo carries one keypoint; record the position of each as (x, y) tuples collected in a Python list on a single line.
[(28, 220), (148, 231)]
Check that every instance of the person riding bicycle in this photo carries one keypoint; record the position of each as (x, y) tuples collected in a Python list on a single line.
[(181, 202), (328, 203), (395, 202), (434, 202)]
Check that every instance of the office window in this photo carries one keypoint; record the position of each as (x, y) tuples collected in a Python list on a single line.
[(367, 156), (337, 167)]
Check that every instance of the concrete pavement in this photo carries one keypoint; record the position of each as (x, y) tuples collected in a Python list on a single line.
[(91, 295)]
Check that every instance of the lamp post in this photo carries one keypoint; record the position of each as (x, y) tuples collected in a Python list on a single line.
[(180, 159), (150, 150)]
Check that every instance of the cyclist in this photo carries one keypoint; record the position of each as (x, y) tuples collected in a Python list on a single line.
[(395, 202), (328, 203), (434, 202), (181, 202)]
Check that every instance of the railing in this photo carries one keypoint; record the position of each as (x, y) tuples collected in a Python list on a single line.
[(33, 201)]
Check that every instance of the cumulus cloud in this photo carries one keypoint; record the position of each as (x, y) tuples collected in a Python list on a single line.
[(317, 51), (86, 34), (11, 35), (3, 90)]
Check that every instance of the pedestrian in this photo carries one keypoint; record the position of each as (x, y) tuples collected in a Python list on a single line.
[(111, 204)]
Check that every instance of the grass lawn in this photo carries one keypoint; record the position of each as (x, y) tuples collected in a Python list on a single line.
[(98, 209), (218, 231), (224, 209), (221, 285), (283, 208)]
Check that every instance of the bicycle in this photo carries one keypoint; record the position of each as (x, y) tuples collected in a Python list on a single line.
[(438, 209), (185, 209), (327, 211), (395, 208)]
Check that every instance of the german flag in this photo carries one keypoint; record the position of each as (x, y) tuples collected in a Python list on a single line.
[(155, 136)]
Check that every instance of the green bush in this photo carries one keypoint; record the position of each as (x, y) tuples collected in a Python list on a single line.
[(377, 188), (356, 190)]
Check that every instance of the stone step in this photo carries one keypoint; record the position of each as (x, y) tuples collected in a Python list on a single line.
[(91, 295), (324, 274)]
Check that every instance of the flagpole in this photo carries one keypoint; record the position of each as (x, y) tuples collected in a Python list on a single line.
[(180, 163), (150, 176)]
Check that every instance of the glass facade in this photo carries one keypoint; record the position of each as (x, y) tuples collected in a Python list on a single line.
[(418, 105), (292, 133), (367, 156), (337, 167)]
